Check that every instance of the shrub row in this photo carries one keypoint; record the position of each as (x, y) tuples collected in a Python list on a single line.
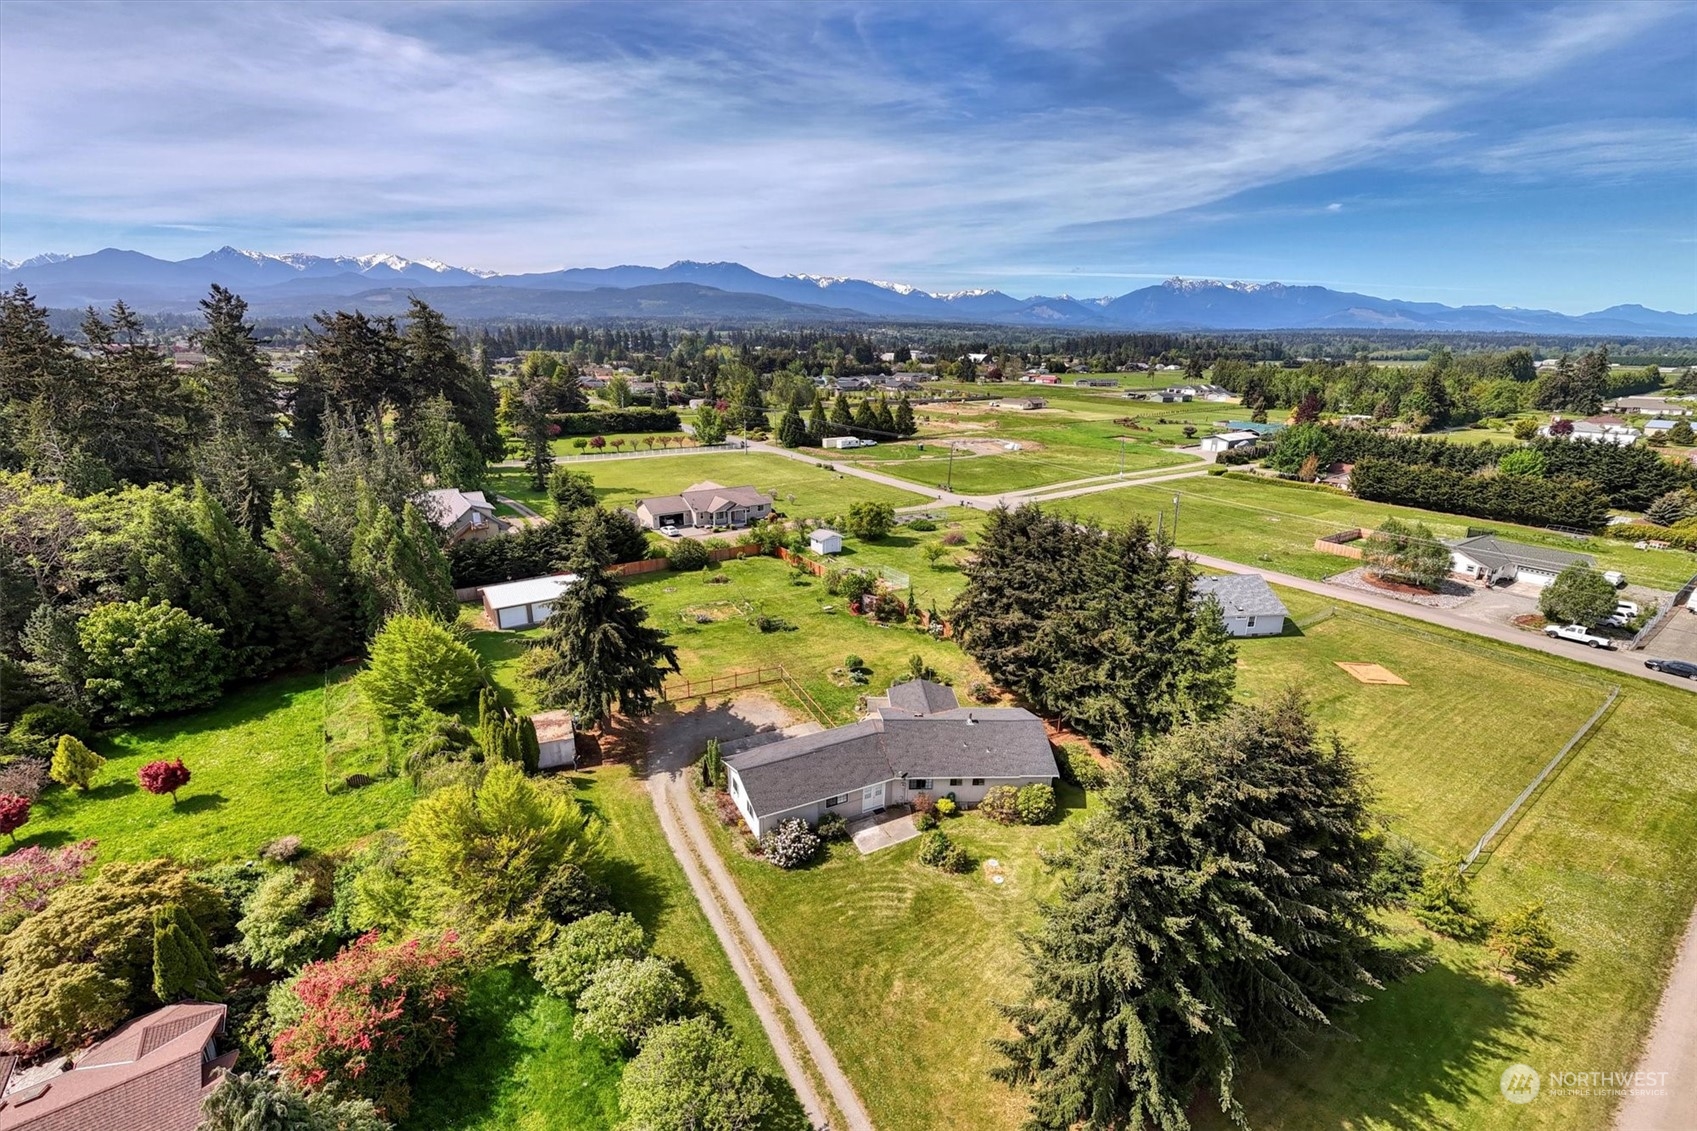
[(1508, 498), (617, 420)]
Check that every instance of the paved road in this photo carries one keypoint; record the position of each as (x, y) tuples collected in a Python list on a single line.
[(1624, 663), (769, 988), (1671, 1049)]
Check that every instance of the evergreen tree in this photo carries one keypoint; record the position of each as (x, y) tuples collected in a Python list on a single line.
[(183, 963), (48, 412), (748, 406), (865, 418), (841, 417), (315, 589), (816, 426), (1215, 912), (597, 651), (904, 425), (74, 764), (241, 458), (434, 368), (397, 565), (356, 368), (143, 426), (886, 421), (791, 432)]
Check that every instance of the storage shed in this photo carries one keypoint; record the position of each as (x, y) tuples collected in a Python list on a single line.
[(524, 604), (556, 735), (825, 541)]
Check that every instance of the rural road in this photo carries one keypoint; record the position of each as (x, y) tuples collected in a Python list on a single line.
[(1670, 1053), (757, 965), (1623, 663)]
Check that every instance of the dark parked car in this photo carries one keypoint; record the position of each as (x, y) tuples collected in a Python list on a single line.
[(1673, 667)]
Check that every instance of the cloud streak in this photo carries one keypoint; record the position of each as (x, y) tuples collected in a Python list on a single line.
[(851, 139)]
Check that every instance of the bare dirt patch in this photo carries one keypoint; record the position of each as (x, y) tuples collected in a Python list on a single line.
[(712, 612), (986, 446), (1373, 673)]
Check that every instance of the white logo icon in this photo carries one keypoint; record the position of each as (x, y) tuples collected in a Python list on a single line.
[(1519, 1084)]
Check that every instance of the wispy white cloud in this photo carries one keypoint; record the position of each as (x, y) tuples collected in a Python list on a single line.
[(850, 139)]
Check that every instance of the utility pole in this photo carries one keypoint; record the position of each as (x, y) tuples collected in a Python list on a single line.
[(1122, 456), (949, 479), (1175, 518)]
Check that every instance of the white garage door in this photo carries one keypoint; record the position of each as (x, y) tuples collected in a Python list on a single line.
[(1534, 576), (541, 612), (516, 617)]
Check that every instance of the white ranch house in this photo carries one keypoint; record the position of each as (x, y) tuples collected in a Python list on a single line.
[(1490, 559), (918, 739)]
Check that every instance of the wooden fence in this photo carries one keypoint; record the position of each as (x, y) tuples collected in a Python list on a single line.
[(1341, 543), (679, 688)]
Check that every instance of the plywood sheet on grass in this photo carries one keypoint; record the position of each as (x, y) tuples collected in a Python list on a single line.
[(1373, 673)]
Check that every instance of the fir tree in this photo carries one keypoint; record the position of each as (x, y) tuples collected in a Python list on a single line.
[(841, 417), (886, 421), (1216, 912), (183, 962), (242, 458), (816, 426), (315, 587), (865, 417), (904, 425), (597, 651), (791, 432)]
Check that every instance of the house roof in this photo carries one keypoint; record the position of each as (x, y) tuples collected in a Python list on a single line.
[(1252, 426), (527, 592), (149, 1075), (997, 742), (824, 532), (1489, 550), (707, 496), (553, 726), (1242, 595), (447, 505), (1235, 437)]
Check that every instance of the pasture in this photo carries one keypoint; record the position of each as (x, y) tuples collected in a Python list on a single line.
[(905, 992)]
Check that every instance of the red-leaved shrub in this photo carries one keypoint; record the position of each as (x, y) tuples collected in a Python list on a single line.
[(372, 1016), (29, 875), (164, 777), (14, 812)]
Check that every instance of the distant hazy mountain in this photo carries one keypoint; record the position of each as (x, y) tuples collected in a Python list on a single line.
[(298, 285)]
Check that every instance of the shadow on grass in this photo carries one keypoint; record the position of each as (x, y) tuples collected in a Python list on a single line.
[(201, 803), (52, 838), (1408, 1057)]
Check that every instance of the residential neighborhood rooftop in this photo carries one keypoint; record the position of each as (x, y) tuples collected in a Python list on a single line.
[(1497, 553), (1242, 594)]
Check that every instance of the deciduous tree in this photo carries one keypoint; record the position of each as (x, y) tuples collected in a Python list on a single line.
[(692, 1074), (1578, 595), (164, 777)]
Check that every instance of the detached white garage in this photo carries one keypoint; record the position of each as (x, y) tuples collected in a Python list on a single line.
[(524, 604)]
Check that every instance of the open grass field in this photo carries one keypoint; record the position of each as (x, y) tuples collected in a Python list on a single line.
[(905, 996), (257, 761), (821, 641), (1262, 522), (800, 489)]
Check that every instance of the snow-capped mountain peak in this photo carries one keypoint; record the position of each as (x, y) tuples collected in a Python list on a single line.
[(41, 260), (899, 288)]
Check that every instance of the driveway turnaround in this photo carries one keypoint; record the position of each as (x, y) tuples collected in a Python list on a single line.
[(769, 988)]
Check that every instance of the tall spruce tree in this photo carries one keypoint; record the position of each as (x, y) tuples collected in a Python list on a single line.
[(816, 426), (434, 367), (792, 433), (1214, 913), (842, 417), (904, 423), (597, 651), (241, 455), (1097, 627), (143, 406), (315, 588)]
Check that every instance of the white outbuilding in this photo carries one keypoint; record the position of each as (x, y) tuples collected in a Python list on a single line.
[(1226, 441), (825, 541), (556, 740), (524, 604)]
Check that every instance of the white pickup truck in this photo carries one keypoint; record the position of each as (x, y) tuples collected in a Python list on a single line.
[(1579, 634)]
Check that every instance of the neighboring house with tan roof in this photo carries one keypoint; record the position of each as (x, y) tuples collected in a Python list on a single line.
[(706, 505), (149, 1075), (462, 516), (917, 739)]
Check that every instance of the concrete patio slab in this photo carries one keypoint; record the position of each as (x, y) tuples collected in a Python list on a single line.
[(882, 830)]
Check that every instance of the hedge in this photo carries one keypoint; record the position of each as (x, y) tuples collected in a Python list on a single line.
[(1244, 455), (1506, 498), (613, 421)]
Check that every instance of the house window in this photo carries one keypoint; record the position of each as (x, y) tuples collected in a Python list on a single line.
[(977, 781), (1251, 622), (954, 781), (832, 802), (919, 783)]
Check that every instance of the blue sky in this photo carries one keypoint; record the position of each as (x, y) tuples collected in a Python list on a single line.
[(1531, 155)]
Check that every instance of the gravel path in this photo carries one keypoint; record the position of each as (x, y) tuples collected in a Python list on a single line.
[(1450, 593), (762, 973), (1670, 1053)]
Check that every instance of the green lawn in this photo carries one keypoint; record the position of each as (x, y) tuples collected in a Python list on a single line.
[(1603, 844), (810, 653), (257, 759), (801, 490), (1261, 522), (900, 964)]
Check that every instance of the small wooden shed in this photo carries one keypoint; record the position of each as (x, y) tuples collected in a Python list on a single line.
[(556, 735)]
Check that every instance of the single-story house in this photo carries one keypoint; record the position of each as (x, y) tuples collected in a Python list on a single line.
[(1160, 396), (705, 504), (1023, 404), (461, 516), (1258, 428), (556, 736), (852, 384), (1247, 603), (1598, 430), (1097, 383), (149, 1075), (917, 739), (825, 541), (524, 604), (1203, 391), (1660, 424), (1226, 441), (1490, 559)]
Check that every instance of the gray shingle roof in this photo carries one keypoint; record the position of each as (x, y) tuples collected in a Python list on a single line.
[(922, 697), (1242, 595), (1489, 550), (997, 742)]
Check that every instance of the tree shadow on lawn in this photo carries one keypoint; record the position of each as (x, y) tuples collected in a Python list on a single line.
[(1407, 1057), (50, 838), (201, 803), (241, 704)]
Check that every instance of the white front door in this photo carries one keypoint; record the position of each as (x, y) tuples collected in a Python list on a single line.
[(872, 797)]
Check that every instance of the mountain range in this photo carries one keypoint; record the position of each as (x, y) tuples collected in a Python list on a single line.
[(297, 285)]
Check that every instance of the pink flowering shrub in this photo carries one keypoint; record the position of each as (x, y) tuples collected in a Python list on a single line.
[(29, 875), (372, 1016)]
